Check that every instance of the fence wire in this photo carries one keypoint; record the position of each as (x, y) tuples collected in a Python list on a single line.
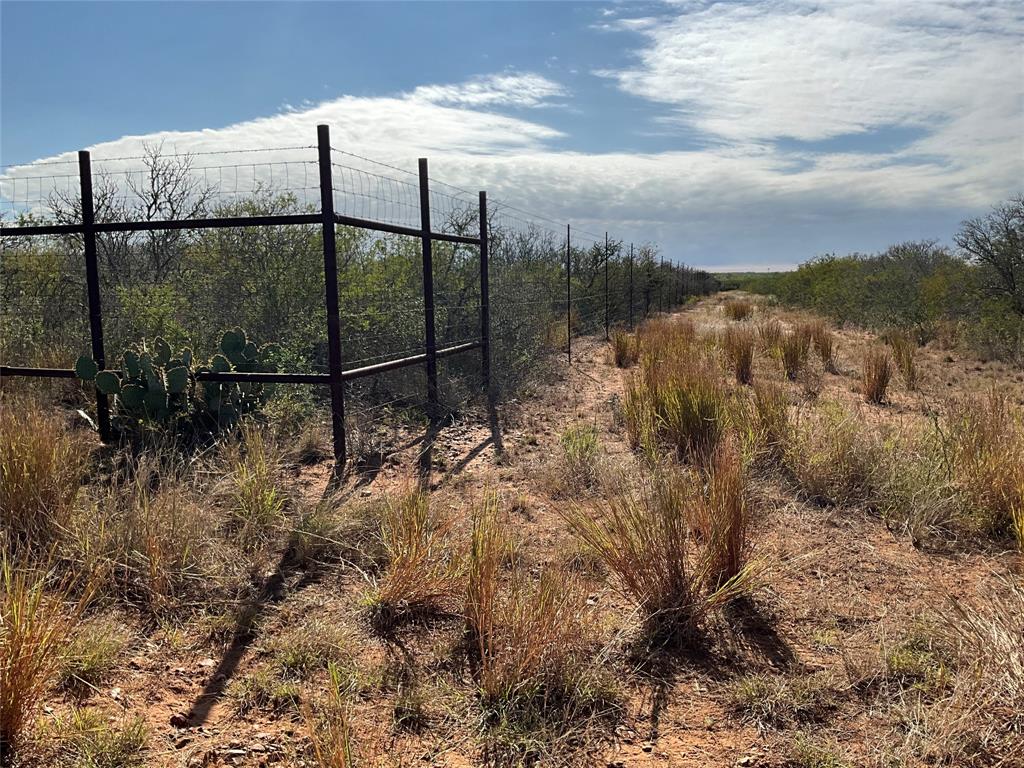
[(548, 282)]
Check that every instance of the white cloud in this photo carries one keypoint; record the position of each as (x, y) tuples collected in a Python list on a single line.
[(812, 71), (744, 75), (513, 90)]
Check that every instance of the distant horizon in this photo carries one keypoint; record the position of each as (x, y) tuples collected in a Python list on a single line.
[(737, 136)]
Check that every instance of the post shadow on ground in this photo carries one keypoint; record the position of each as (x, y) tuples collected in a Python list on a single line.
[(425, 458), (271, 592)]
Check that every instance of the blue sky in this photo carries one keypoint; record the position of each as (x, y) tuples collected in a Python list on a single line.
[(739, 135)]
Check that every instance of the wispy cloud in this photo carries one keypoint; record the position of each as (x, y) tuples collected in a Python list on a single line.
[(505, 90), (762, 82), (805, 70)]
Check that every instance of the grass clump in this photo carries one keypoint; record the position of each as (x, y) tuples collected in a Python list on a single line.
[(419, 577), (531, 646), (147, 538), (625, 349), (773, 431), (88, 739), (644, 540), (776, 701), (831, 461), (722, 515), (92, 655), (738, 345), (876, 373), (794, 349), (769, 334), (581, 453), (258, 503), (41, 468), (904, 353), (331, 732), (305, 647), (264, 690), (982, 443), (738, 309), (824, 344), (35, 628)]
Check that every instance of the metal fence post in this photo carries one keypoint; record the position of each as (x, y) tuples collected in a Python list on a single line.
[(428, 291), (92, 281), (631, 286), (485, 300), (323, 135), (568, 291), (606, 255)]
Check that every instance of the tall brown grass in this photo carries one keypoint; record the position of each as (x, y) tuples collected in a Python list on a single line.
[(769, 333), (643, 538), (41, 468), (35, 628), (983, 442), (876, 373), (738, 309), (904, 352), (722, 515), (420, 573), (738, 345), (824, 344), (675, 396), (531, 640), (625, 348), (794, 348), (771, 409)]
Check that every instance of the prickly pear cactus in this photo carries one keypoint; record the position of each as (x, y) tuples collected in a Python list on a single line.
[(155, 387)]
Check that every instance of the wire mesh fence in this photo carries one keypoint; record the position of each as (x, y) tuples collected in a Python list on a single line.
[(362, 274)]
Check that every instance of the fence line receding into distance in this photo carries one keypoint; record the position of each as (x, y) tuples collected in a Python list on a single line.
[(413, 207)]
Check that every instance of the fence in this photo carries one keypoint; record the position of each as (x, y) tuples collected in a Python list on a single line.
[(340, 199)]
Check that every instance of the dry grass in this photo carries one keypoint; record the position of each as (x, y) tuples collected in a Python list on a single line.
[(738, 345), (625, 348), (794, 349), (983, 442), (769, 333), (331, 733), (675, 396), (772, 427), (644, 540), (738, 309), (35, 628), (578, 470), (876, 373), (257, 501), (904, 352), (148, 538), (824, 344), (831, 460), (531, 644), (41, 468), (975, 718), (420, 576), (722, 515)]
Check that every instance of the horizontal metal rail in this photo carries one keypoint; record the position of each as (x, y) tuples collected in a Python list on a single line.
[(227, 222), (264, 377), (390, 365)]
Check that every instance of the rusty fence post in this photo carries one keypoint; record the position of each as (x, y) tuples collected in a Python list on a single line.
[(337, 385), (606, 256), (631, 286), (430, 338), (485, 300), (92, 280), (568, 291)]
